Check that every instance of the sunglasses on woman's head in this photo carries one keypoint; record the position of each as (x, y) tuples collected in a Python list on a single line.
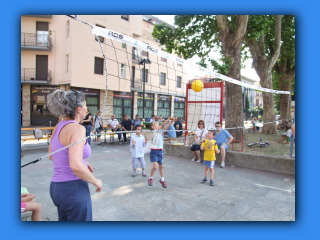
[(77, 94)]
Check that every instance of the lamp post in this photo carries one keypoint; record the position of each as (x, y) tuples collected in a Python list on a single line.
[(144, 62)]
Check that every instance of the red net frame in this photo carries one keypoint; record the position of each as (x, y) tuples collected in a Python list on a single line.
[(206, 85)]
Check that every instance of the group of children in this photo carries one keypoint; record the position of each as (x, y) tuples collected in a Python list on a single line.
[(138, 141)]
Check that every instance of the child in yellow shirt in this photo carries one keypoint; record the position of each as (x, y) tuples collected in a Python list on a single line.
[(210, 149)]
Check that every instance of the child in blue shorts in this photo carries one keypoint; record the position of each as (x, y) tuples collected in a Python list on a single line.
[(137, 143), (210, 149), (156, 154)]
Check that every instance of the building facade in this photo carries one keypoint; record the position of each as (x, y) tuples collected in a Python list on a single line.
[(58, 52)]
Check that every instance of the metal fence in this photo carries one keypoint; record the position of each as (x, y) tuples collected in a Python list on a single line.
[(33, 74), (36, 40)]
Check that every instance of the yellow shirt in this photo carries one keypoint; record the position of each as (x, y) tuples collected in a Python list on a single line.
[(209, 149)]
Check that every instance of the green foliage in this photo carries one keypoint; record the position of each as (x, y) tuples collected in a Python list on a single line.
[(286, 59), (196, 35)]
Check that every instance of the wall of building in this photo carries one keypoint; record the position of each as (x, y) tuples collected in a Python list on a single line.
[(81, 48)]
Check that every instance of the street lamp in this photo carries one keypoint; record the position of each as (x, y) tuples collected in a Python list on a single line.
[(144, 62)]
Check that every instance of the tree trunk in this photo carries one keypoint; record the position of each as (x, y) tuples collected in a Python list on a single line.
[(234, 107), (263, 67), (231, 42), (285, 99), (265, 74)]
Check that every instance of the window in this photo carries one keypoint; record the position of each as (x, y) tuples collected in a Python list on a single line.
[(144, 75), (122, 105), (125, 17), (67, 63), (179, 65), (148, 105), (164, 106), (178, 82), (145, 53), (68, 29), (162, 79), (123, 73), (163, 59), (124, 45), (133, 70), (98, 65), (101, 38), (179, 108)]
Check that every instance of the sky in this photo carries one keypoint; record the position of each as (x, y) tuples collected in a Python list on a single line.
[(247, 71)]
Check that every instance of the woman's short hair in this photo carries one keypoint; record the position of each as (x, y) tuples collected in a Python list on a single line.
[(64, 103), (201, 121)]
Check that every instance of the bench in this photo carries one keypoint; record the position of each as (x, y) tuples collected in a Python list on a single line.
[(188, 134), (48, 134)]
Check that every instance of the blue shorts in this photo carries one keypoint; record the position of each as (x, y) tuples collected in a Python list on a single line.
[(209, 164), (156, 156), (225, 146)]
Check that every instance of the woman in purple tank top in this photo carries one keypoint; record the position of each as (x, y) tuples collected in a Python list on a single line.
[(69, 187)]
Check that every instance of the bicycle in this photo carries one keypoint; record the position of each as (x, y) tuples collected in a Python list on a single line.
[(260, 143)]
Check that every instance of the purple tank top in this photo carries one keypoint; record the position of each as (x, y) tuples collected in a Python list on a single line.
[(61, 169)]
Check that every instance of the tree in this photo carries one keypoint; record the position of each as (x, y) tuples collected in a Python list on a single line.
[(201, 34), (263, 39), (284, 69)]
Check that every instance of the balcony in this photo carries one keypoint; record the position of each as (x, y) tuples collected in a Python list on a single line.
[(36, 42), (33, 75), (136, 84)]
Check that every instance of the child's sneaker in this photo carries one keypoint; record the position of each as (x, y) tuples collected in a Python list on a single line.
[(134, 174), (164, 185), (150, 181), (204, 180), (144, 174), (222, 165), (99, 143), (211, 182)]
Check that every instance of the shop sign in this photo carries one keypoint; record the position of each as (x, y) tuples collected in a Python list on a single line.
[(164, 98), (146, 96), (122, 94), (178, 99), (89, 92), (44, 89)]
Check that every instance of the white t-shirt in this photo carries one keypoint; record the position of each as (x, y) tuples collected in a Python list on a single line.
[(201, 133), (97, 121), (114, 123)]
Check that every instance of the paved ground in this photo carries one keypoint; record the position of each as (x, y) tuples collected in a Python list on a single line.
[(239, 195)]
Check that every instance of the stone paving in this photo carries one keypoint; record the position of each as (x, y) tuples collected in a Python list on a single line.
[(239, 194)]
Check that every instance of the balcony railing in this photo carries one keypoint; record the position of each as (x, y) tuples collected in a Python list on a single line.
[(34, 41), (34, 75)]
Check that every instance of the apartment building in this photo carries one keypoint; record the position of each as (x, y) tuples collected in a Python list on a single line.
[(58, 52)]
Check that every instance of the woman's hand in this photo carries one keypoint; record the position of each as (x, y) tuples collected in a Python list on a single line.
[(98, 185), (89, 167), (198, 142)]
